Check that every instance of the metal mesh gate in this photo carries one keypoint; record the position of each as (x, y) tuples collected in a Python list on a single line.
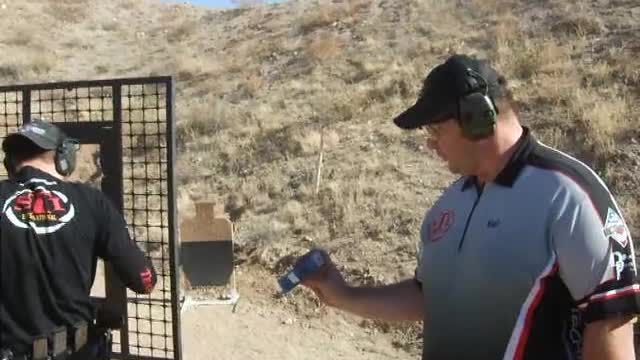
[(131, 122)]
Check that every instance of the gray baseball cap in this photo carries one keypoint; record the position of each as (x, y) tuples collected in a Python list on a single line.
[(41, 133)]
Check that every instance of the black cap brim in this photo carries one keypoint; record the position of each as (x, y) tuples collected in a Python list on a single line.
[(419, 115), (410, 118), (41, 142)]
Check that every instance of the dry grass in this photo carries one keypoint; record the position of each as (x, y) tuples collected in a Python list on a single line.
[(310, 141), (319, 17), (256, 85), (9, 72), (27, 64), (624, 66), (207, 116), (182, 31), (110, 25), (68, 11), (24, 35), (247, 3), (330, 14), (252, 85), (578, 24), (324, 47), (523, 57), (601, 117), (580, 93), (188, 66), (274, 79)]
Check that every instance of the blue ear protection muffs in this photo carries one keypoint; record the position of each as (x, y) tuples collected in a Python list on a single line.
[(65, 157), (477, 112)]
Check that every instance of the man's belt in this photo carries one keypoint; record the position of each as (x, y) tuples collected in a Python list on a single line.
[(60, 342), (57, 345)]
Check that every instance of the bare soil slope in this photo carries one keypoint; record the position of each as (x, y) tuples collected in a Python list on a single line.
[(259, 87)]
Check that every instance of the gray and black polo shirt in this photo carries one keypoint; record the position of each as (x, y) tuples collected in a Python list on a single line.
[(515, 270)]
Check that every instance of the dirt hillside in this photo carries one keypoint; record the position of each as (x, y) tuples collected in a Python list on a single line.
[(260, 88)]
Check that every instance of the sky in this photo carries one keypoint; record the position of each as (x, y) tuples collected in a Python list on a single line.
[(214, 3)]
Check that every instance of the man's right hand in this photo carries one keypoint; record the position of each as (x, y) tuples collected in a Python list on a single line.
[(400, 301), (328, 283)]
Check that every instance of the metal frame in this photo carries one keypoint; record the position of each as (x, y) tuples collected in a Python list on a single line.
[(109, 134)]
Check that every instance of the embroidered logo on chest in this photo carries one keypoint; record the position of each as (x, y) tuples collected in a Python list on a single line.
[(442, 223)]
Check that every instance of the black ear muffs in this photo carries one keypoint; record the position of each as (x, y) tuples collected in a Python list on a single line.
[(477, 112), (65, 157)]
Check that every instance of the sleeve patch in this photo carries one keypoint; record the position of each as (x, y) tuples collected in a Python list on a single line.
[(615, 228)]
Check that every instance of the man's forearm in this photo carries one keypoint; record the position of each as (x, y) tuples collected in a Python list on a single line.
[(402, 301), (610, 339)]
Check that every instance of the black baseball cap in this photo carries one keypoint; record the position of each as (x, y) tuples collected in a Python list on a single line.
[(44, 135), (442, 88)]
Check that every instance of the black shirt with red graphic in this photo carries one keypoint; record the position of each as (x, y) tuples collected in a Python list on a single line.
[(51, 234)]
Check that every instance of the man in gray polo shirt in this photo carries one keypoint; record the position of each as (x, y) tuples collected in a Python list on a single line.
[(526, 256)]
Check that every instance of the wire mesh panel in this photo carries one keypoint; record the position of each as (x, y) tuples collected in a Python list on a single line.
[(131, 122), (77, 104), (10, 116), (146, 194)]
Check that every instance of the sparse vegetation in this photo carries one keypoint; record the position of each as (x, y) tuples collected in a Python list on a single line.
[(68, 11), (21, 36), (182, 31), (256, 86), (324, 47), (27, 63), (322, 16)]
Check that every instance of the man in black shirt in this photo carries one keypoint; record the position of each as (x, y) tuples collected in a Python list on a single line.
[(51, 234)]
